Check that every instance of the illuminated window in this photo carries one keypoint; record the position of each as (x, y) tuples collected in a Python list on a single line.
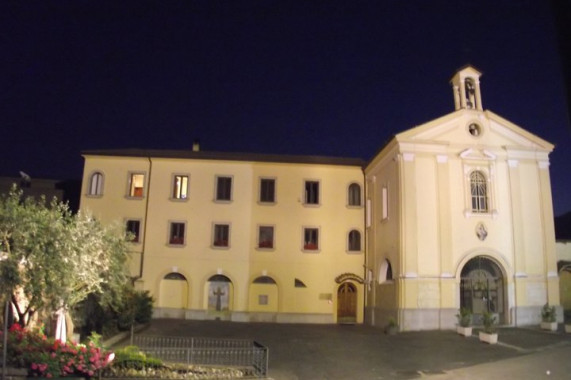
[(133, 227), (221, 236), (479, 192), (354, 195), (176, 233), (354, 241), (267, 190), (266, 237), (180, 187), (311, 193), (136, 185), (223, 188), (96, 184), (310, 239), (385, 272), (385, 202)]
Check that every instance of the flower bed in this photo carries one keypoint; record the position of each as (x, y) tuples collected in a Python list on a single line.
[(46, 357)]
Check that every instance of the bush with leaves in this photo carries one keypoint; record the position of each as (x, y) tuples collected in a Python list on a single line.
[(46, 357)]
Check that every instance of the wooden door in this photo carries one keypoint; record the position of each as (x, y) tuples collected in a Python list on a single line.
[(347, 303)]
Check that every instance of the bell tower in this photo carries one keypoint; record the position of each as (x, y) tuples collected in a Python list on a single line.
[(466, 88)]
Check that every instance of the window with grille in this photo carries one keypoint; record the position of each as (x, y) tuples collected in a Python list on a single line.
[(479, 192)]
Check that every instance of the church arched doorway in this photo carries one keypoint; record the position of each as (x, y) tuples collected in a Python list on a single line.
[(347, 303), (482, 288), (173, 291)]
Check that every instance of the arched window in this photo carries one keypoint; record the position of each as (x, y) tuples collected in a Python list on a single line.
[(470, 93), (479, 192), (385, 272), (175, 276), (96, 184), (354, 195), (264, 280), (354, 240)]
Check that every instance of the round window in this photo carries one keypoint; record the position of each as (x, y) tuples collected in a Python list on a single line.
[(475, 130)]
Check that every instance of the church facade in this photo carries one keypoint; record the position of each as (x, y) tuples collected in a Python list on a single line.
[(453, 213), (460, 215)]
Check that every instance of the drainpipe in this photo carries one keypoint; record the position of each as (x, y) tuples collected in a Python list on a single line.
[(143, 245)]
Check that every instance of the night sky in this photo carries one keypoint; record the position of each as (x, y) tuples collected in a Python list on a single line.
[(330, 77)]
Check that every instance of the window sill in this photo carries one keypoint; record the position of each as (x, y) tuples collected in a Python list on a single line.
[(218, 247), (265, 249), (129, 197), (261, 203), (312, 205), (471, 214), (95, 196), (354, 252), (178, 199), (311, 250), (222, 201), (354, 207), (171, 245)]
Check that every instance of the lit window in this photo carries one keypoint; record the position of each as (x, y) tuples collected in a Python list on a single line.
[(136, 185), (479, 192), (176, 234), (180, 187), (311, 239), (223, 188), (385, 272), (133, 228), (267, 190), (96, 184), (221, 235), (354, 241), (266, 237), (311, 192), (354, 195)]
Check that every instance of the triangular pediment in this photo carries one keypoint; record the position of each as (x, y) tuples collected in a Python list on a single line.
[(454, 129)]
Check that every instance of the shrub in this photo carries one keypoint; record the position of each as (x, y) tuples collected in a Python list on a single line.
[(464, 317), (489, 321), (46, 357), (548, 313)]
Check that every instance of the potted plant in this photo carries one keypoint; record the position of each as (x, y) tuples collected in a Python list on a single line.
[(464, 317), (392, 327), (488, 334), (548, 318)]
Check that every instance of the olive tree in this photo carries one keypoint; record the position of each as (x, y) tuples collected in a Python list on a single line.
[(51, 259)]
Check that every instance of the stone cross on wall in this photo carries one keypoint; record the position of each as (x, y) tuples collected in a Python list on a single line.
[(219, 293)]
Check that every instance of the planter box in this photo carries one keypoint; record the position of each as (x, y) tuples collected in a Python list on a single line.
[(552, 326), (465, 331), (488, 338), (568, 328)]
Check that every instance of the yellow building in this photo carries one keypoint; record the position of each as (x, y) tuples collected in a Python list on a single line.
[(456, 212), (239, 237), (460, 215)]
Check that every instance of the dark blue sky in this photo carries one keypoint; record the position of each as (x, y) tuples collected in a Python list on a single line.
[(328, 77)]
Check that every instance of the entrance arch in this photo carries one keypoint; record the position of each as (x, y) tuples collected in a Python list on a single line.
[(219, 294), (482, 288), (347, 303), (173, 291)]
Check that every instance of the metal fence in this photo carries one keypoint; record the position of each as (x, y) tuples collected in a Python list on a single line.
[(243, 353)]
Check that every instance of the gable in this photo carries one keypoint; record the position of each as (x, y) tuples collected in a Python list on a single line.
[(495, 132)]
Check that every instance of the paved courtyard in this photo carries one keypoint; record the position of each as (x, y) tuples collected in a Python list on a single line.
[(363, 352)]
